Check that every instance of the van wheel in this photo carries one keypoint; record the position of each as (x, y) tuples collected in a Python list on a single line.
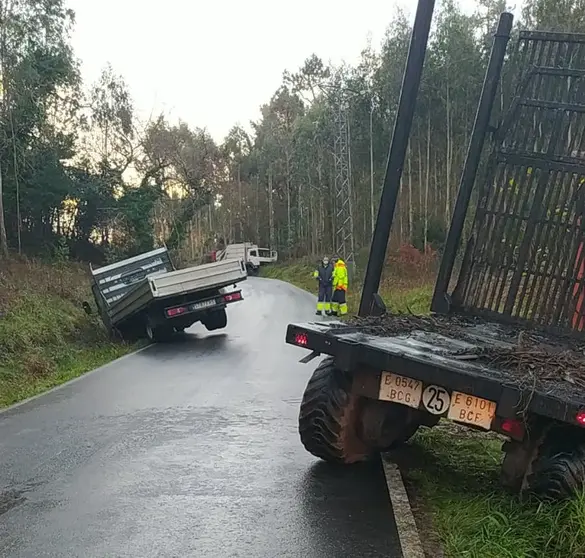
[(330, 417), (215, 320), (158, 334)]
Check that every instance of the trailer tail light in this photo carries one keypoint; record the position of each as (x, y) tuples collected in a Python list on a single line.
[(580, 418), (301, 339), (514, 428), (172, 312), (232, 297)]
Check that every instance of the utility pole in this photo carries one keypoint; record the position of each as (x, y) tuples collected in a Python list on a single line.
[(344, 239)]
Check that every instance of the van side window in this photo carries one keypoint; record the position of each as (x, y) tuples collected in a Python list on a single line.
[(253, 253)]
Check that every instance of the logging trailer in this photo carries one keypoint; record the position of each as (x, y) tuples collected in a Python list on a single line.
[(503, 349)]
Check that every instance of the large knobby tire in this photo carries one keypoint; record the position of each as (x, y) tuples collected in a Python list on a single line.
[(330, 417), (559, 475)]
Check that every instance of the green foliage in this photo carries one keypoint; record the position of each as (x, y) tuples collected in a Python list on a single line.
[(432, 230), (45, 336), (458, 473), (77, 164)]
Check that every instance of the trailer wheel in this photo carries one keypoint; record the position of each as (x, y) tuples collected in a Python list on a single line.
[(215, 320), (330, 417), (559, 475)]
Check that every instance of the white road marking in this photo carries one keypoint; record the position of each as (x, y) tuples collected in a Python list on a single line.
[(403, 516)]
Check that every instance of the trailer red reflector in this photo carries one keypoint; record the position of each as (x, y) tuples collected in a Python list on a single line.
[(232, 297), (172, 312), (581, 418), (513, 427), (301, 339)]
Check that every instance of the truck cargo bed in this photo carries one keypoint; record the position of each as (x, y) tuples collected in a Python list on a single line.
[(519, 370), (130, 286), (183, 281)]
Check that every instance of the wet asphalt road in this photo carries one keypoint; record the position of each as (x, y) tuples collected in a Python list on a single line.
[(185, 450)]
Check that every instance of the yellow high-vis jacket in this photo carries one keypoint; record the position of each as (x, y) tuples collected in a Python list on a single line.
[(340, 276)]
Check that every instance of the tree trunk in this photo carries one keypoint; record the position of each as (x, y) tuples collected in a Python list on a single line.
[(449, 156), (270, 211), (240, 224), (427, 181), (410, 208), (3, 239)]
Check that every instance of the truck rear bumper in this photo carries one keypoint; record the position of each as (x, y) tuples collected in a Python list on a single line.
[(199, 307)]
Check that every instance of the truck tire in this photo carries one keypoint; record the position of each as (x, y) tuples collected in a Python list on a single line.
[(559, 475), (329, 418), (158, 334), (215, 320)]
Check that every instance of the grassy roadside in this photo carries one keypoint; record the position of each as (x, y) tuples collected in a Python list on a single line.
[(456, 471), (45, 336)]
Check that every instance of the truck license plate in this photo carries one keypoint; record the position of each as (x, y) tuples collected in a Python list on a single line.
[(400, 389), (471, 410), (204, 304)]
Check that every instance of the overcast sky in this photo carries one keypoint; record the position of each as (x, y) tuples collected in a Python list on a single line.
[(213, 64)]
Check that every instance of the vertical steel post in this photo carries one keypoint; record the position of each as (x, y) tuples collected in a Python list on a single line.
[(440, 302), (402, 127)]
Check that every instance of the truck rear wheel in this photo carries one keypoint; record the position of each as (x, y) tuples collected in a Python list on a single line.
[(215, 320), (158, 334), (329, 418)]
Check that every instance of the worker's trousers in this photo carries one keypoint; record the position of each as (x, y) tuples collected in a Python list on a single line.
[(339, 303), (324, 298)]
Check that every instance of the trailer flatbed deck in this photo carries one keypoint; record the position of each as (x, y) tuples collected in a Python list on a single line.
[(471, 359)]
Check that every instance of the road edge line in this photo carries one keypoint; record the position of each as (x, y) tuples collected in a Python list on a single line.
[(72, 381), (403, 517)]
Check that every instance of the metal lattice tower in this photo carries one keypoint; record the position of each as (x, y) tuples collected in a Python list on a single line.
[(344, 242)]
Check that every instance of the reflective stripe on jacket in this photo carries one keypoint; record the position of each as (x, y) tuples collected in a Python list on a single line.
[(340, 276), (324, 273)]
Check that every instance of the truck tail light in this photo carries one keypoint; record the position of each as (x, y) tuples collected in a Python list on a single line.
[(232, 297), (580, 418), (301, 339), (172, 312)]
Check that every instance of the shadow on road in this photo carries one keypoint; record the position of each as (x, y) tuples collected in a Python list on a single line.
[(348, 511)]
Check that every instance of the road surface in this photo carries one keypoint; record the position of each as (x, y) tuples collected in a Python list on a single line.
[(188, 450)]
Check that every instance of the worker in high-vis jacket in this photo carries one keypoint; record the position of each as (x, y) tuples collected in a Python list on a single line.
[(339, 299), (324, 276)]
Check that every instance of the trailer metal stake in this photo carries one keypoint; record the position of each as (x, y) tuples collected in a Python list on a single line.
[(400, 138)]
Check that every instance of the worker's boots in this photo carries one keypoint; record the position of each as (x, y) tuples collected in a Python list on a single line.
[(318, 313)]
